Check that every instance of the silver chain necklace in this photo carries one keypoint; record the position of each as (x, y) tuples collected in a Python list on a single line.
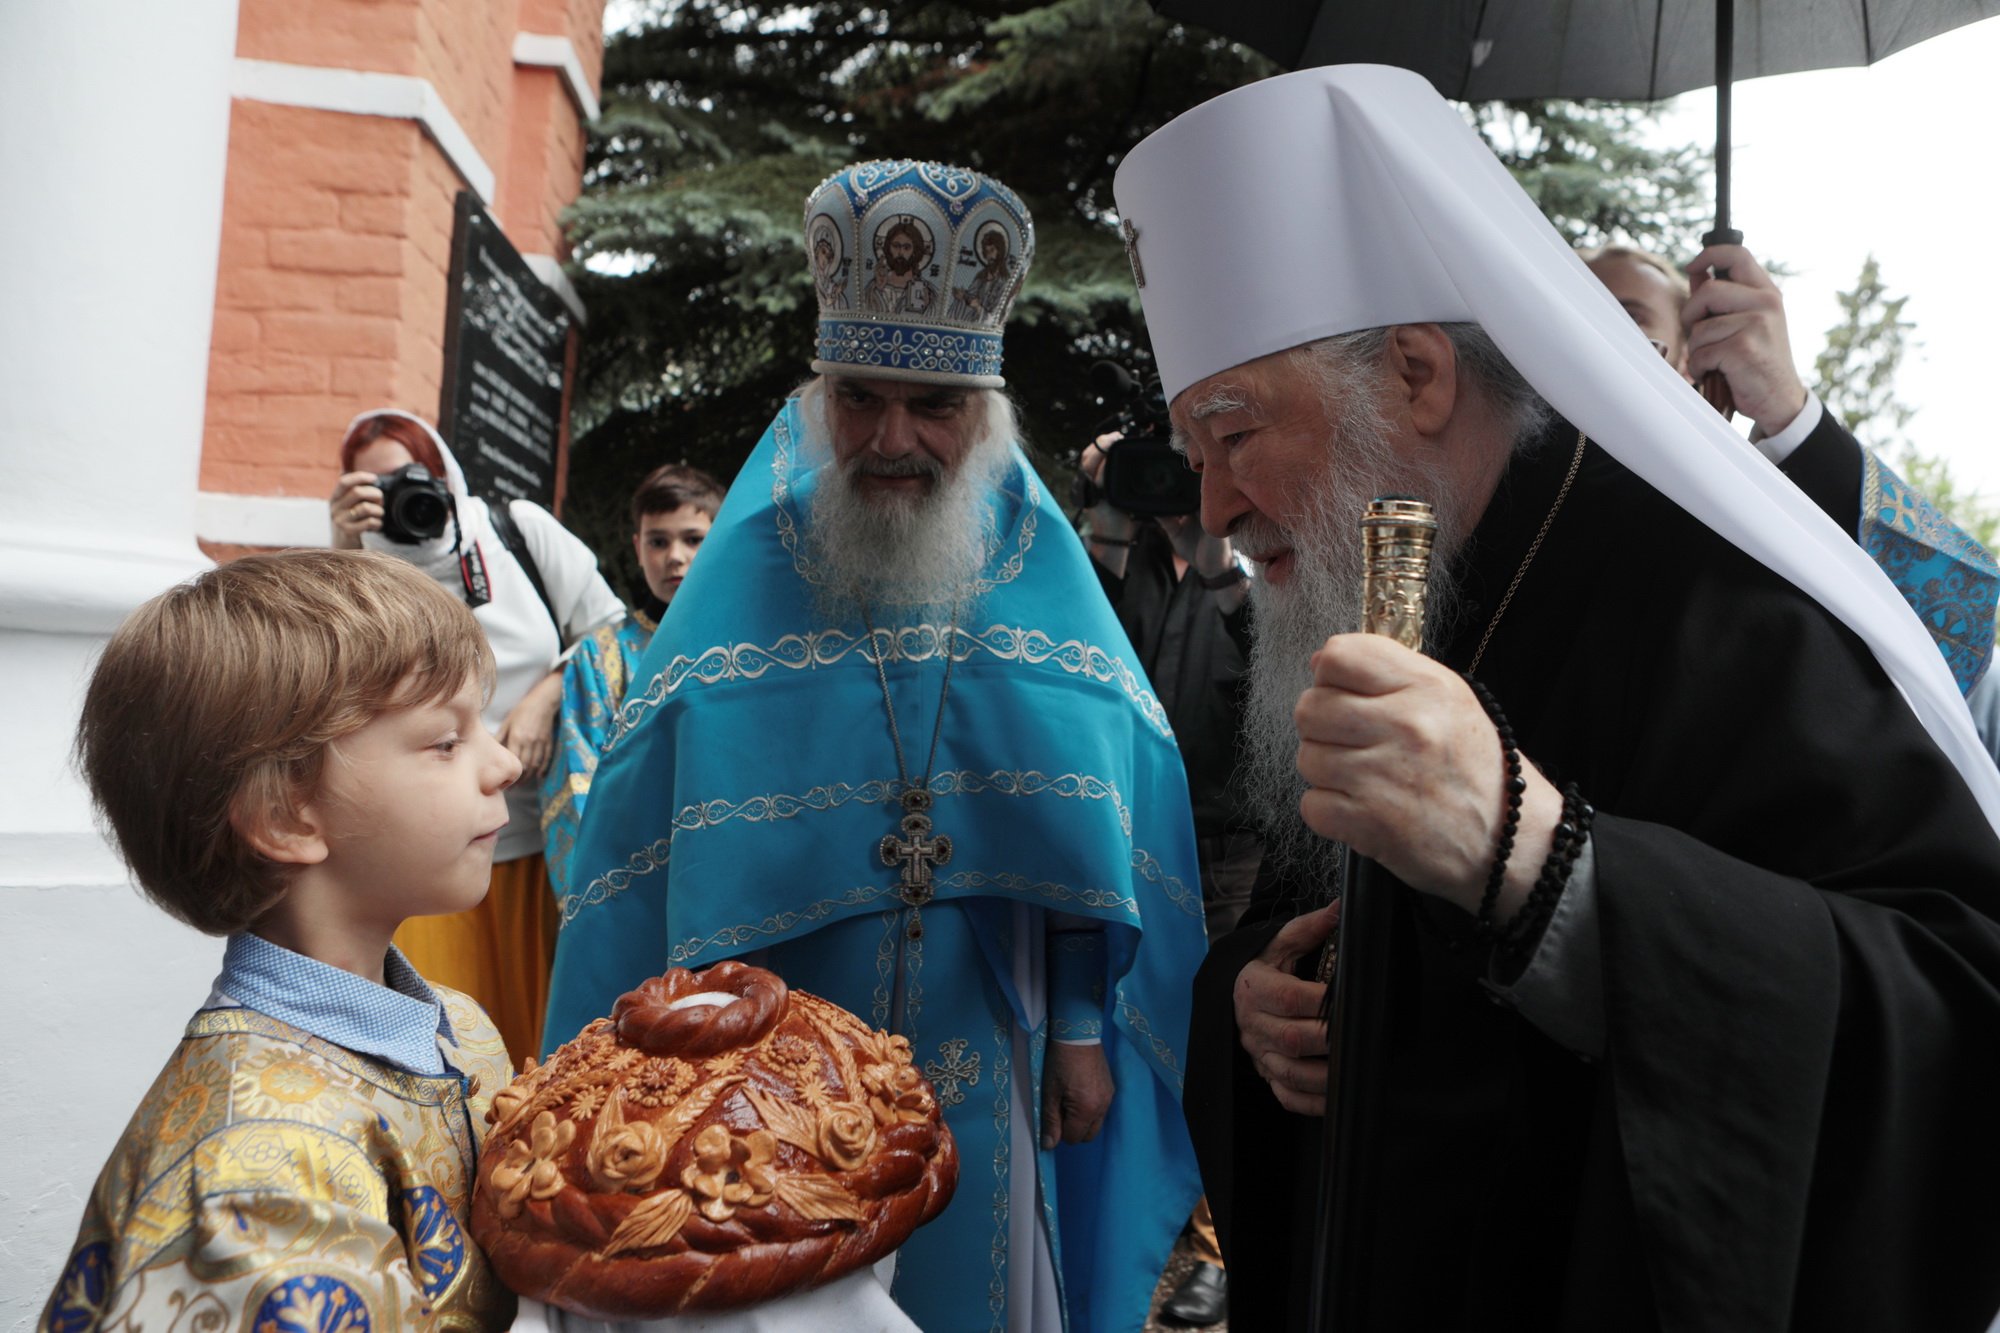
[(916, 853), (1479, 653)]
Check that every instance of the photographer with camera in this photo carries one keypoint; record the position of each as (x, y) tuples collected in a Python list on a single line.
[(1112, 532), (535, 591), (1180, 594)]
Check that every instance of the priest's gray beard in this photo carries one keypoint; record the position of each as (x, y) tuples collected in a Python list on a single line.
[(917, 554), (1323, 598)]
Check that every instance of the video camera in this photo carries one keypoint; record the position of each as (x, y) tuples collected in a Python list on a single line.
[(1142, 472)]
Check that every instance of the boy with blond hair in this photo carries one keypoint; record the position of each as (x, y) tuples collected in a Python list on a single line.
[(289, 753)]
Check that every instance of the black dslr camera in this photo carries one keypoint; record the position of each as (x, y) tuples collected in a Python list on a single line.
[(415, 505), (1143, 474)]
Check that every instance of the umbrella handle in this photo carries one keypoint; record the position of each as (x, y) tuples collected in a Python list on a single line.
[(1714, 386)]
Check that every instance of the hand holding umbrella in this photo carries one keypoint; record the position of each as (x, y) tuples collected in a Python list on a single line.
[(1627, 49), (1735, 322), (1714, 385)]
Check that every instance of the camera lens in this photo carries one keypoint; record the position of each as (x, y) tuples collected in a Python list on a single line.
[(415, 505), (1145, 476), (421, 513), (1157, 478)]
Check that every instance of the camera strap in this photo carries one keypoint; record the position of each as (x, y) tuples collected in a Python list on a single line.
[(472, 571), (509, 533), (471, 565)]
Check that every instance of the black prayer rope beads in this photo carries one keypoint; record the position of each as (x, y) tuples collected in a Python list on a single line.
[(1571, 833), (1510, 815)]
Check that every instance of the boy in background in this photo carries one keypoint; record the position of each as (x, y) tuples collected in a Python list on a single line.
[(671, 514), (289, 753)]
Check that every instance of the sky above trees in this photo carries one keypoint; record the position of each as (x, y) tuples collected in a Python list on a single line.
[(1896, 160)]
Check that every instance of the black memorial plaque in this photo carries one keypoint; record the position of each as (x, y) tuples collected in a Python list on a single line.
[(506, 335)]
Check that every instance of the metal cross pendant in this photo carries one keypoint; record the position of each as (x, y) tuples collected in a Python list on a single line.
[(918, 854)]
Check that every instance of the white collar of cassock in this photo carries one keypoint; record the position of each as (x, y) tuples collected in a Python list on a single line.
[(1353, 197)]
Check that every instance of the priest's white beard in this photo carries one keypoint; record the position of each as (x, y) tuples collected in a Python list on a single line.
[(917, 553), (1321, 598)]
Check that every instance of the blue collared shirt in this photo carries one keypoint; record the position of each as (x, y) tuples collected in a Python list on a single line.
[(400, 1022)]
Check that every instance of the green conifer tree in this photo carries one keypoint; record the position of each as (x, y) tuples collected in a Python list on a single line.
[(721, 116), (1855, 378), (1590, 170)]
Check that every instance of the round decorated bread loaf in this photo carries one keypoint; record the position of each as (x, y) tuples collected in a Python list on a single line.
[(720, 1140)]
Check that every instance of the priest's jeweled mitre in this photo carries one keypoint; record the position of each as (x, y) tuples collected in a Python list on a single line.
[(915, 265)]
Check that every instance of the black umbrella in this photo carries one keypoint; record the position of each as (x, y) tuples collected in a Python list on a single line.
[(1629, 50)]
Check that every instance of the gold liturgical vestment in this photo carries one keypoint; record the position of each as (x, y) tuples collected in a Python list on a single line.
[(272, 1182)]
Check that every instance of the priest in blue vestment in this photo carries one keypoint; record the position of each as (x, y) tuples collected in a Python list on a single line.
[(893, 744)]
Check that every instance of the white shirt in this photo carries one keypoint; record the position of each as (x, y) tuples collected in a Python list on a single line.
[(525, 645), (518, 627)]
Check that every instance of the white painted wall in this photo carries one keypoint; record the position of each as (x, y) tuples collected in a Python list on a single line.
[(114, 123)]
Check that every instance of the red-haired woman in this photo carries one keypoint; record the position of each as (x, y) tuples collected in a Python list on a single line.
[(498, 952)]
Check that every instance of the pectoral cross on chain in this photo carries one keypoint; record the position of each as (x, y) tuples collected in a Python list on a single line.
[(918, 854)]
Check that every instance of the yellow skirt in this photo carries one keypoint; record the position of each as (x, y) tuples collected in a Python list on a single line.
[(499, 952)]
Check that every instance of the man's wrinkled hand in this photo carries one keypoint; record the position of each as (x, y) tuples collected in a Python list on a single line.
[(1076, 1094), (1277, 1014), (1405, 768), (1737, 325)]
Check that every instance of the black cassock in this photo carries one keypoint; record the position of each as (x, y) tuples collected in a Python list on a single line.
[(1795, 1122)]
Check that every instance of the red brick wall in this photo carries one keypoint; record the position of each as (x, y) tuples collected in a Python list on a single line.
[(311, 291), (582, 21), (340, 34), (542, 170), (420, 341), (466, 49), (337, 227)]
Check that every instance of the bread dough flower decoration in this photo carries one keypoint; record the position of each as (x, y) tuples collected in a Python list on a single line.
[(846, 1135), (625, 1155), (896, 1093), (530, 1170), (518, 1093), (730, 1172)]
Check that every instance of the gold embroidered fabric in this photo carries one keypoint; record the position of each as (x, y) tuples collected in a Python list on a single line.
[(271, 1182)]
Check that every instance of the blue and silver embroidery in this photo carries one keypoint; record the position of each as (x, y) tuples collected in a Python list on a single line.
[(915, 266)]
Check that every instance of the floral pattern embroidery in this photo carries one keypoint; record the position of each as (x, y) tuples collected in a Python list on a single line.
[(280, 1085), (439, 1241), (184, 1112), (312, 1304), (275, 1183), (81, 1291)]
